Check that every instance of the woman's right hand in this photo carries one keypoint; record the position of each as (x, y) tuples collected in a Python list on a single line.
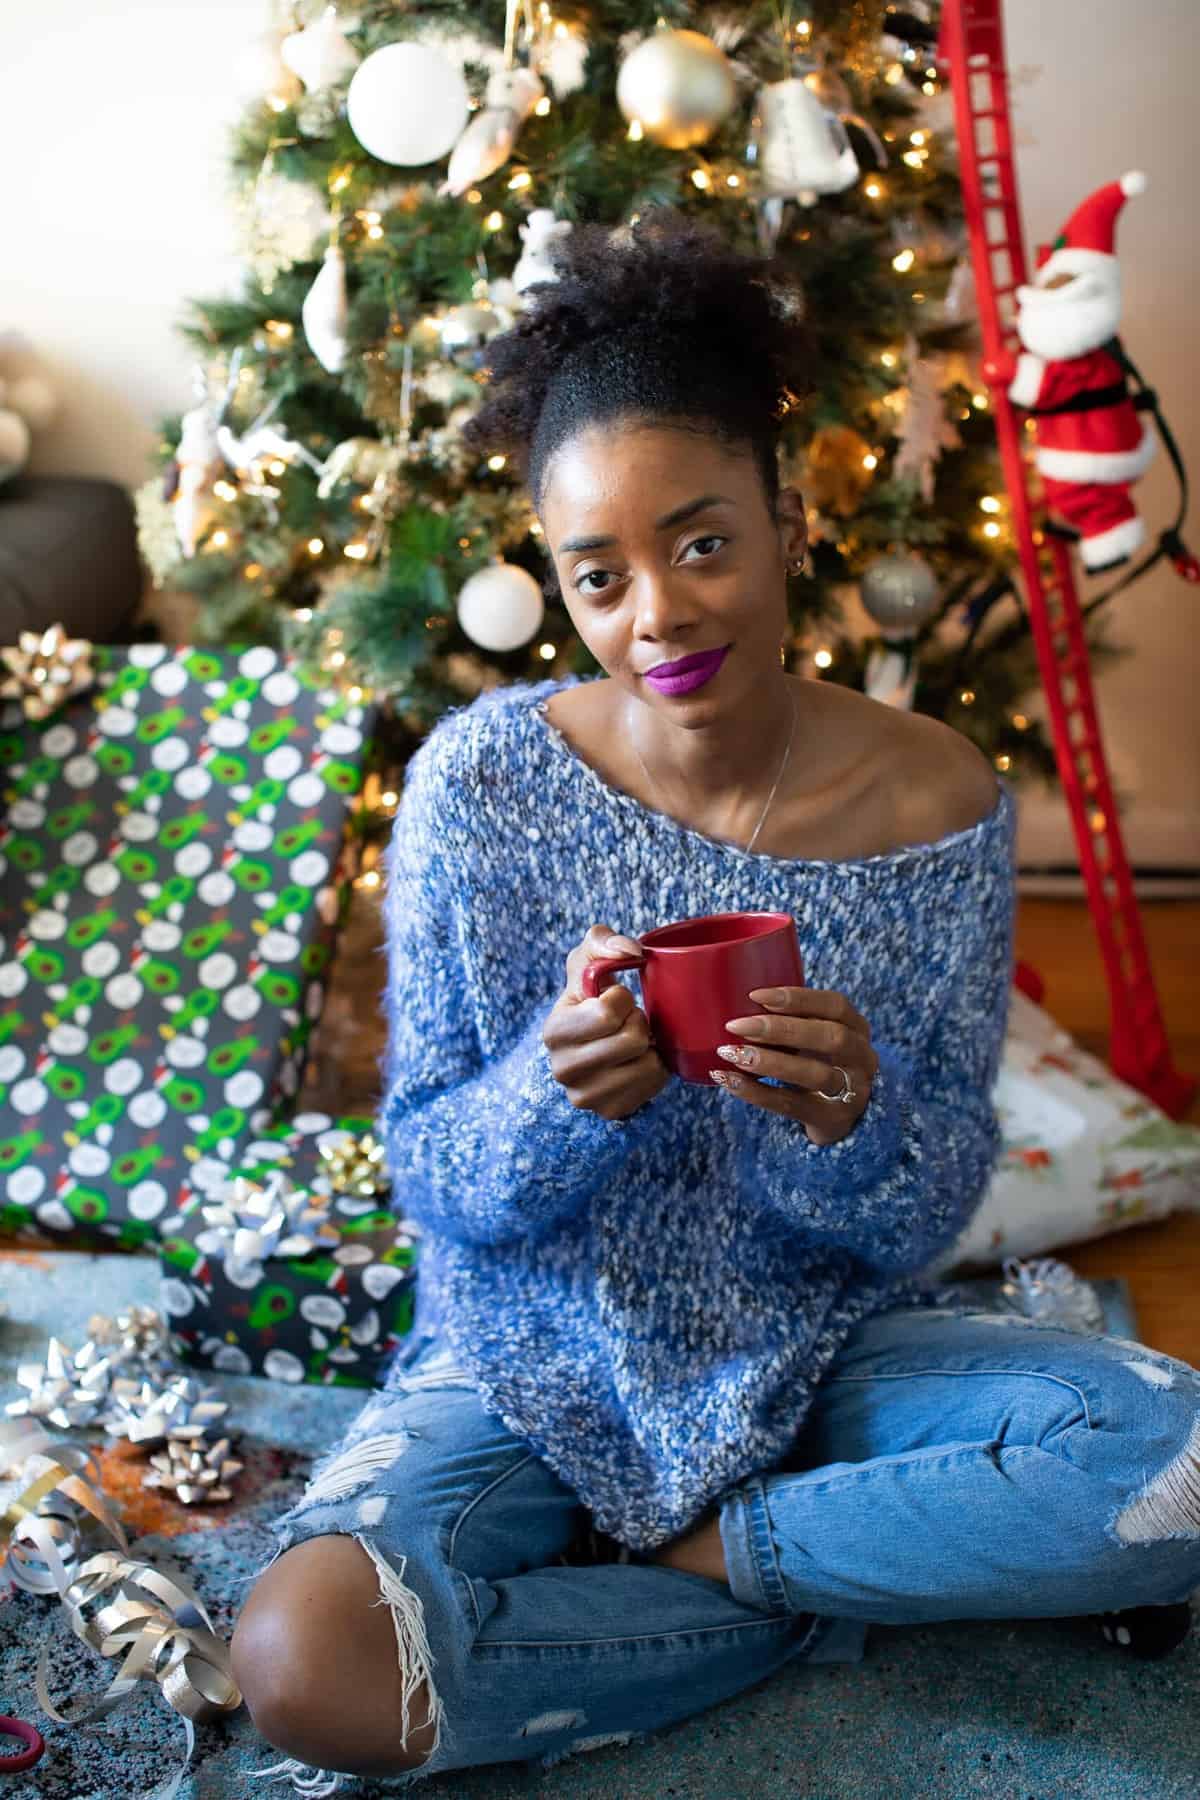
[(600, 1050)]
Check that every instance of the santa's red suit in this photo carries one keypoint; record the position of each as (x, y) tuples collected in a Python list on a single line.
[(1091, 442)]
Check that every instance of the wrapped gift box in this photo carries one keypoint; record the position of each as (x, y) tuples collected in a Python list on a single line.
[(333, 1314), (172, 877)]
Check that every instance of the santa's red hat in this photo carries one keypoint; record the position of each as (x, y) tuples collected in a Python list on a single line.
[(1086, 240)]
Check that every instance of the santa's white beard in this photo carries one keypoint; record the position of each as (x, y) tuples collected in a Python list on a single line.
[(1056, 323)]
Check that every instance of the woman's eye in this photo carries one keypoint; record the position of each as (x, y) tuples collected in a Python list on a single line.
[(587, 576), (712, 538)]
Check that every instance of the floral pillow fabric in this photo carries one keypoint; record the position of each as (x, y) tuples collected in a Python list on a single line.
[(1083, 1153)]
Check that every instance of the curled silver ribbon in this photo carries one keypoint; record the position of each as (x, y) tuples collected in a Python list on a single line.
[(156, 1622)]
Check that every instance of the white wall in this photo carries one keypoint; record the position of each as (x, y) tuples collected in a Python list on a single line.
[(1099, 88), (113, 206), (113, 128)]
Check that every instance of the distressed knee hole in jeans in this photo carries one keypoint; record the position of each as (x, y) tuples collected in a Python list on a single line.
[(599, 1742), (552, 1721), (355, 1466), (1169, 1503), (416, 1667), (1153, 1374), (412, 1645)]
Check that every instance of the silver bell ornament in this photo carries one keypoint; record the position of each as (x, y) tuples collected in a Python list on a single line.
[(678, 86), (800, 149), (900, 593), (823, 80)]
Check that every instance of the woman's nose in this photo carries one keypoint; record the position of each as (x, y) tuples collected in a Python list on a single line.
[(663, 608)]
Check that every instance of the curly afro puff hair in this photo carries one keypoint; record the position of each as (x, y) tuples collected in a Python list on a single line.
[(662, 321)]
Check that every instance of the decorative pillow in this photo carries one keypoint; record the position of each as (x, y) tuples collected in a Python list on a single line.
[(1083, 1153)]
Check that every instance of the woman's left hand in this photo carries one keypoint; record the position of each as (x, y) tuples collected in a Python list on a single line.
[(806, 1041)]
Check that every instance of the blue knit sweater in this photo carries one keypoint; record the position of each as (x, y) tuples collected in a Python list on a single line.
[(650, 1303)]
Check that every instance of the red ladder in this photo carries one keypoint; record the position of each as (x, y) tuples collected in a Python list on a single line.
[(973, 45)]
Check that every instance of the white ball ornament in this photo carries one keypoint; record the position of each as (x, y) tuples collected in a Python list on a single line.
[(678, 86), (407, 104), (500, 607), (14, 443)]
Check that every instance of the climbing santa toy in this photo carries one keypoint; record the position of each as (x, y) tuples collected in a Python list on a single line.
[(1092, 441)]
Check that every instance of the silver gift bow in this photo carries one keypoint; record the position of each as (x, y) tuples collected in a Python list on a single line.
[(148, 1415), (68, 1389), (258, 1220)]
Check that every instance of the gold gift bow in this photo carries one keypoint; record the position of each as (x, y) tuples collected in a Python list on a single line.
[(169, 1638), (44, 669)]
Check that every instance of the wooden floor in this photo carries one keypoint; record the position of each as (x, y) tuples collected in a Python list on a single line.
[(1161, 1262)]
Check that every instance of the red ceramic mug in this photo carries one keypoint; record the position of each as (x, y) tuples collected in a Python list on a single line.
[(699, 973)]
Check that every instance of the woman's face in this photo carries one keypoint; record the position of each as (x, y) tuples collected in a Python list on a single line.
[(665, 548)]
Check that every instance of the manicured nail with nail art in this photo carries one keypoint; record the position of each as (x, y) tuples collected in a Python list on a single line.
[(735, 1053), (722, 1078)]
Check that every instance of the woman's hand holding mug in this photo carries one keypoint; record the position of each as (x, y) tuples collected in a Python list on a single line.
[(809, 1040), (600, 1050), (707, 983)]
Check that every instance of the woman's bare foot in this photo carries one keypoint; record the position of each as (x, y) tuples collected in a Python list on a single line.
[(699, 1552)]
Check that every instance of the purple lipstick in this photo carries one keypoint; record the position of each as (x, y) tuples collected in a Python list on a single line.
[(686, 673)]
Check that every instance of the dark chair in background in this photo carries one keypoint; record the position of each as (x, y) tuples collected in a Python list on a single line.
[(68, 556)]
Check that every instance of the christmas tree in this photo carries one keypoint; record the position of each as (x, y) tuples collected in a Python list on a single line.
[(403, 177)]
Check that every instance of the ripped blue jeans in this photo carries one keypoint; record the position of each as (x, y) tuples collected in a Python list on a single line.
[(954, 1465)]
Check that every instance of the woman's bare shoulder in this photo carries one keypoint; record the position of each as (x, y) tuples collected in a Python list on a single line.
[(936, 781)]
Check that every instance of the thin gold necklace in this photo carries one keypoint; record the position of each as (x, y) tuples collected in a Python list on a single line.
[(762, 817)]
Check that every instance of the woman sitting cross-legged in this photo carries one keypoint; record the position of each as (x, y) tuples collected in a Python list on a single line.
[(679, 1406)]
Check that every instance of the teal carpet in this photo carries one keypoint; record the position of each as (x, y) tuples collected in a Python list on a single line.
[(1029, 1711)]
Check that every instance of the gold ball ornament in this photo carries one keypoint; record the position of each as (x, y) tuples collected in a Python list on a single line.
[(836, 471), (678, 86)]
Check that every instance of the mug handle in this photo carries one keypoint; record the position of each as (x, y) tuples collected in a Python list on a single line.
[(598, 975)]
